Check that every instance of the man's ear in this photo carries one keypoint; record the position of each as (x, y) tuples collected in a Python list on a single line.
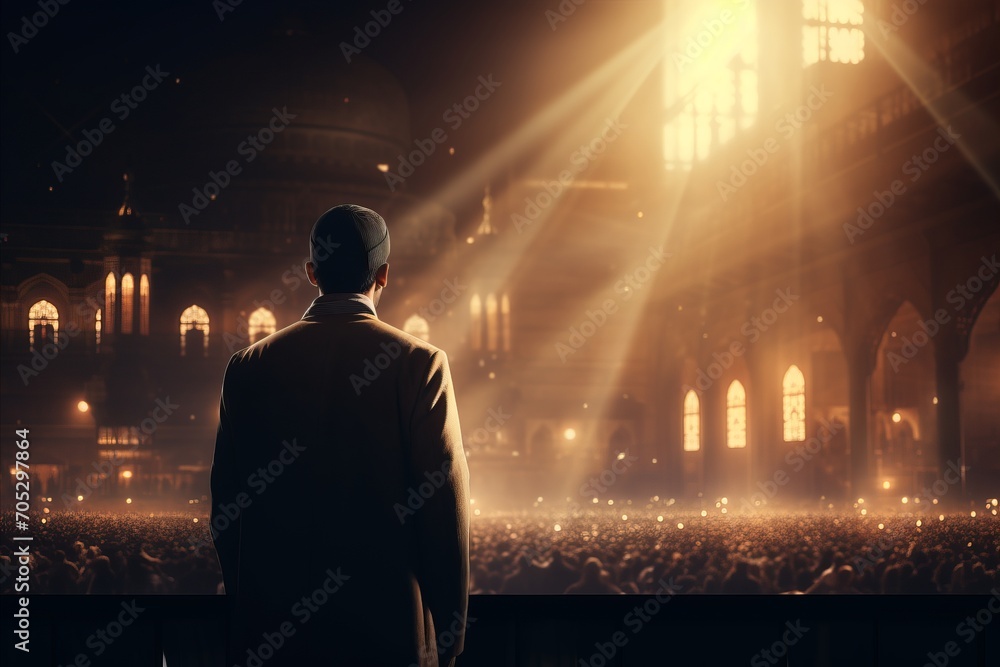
[(311, 273), (382, 275)]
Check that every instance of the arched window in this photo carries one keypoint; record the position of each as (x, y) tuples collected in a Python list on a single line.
[(793, 404), (144, 305), (692, 422), (97, 329), (492, 323), (417, 326), (713, 94), (43, 323), (261, 323), (832, 31), (110, 293), (194, 323), (505, 315), (736, 416), (128, 291), (476, 322)]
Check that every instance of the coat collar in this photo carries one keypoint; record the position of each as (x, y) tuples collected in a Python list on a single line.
[(340, 303)]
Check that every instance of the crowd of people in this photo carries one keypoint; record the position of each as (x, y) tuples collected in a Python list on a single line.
[(603, 551)]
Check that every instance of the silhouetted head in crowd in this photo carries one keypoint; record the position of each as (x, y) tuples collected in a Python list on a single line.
[(349, 252)]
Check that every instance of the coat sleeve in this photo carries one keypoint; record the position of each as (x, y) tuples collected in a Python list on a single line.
[(225, 487), (442, 524)]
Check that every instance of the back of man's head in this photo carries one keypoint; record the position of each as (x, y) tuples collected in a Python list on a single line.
[(347, 246)]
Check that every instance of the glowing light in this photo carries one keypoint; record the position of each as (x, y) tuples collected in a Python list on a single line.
[(973, 514), (916, 499), (660, 518), (994, 502), (476, 512), (725, 501), (704, 512), (128, 501), (724, 510), (940, 517), (127, 474), (624, 517), (680, 526), (864, 512), (819, 318), (886, 485), (83, 406), (919, 523), (13, 470), (861, 501), (557, 528), (470, 240), (654, 461), (611, 502), (935, 501), (196, 519), (881, 526), (569, 434), (79, 499), (896, 417), (492, 375), (539, 499), (382, 166), (595, 501), (45, 510), (639, 214), (905, 500), (451, 150), (934, 400)]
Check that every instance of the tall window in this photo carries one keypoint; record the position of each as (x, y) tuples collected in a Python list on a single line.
[(43, 323), (692, 422), (144, 305), (710, 78), (109, 302), (476, 322), (505, 316), (736, 416), (261, 324), (492, 323), (832, 31), (793, 404), (417, 326), (128, 290), (194, 324), (97, 329)]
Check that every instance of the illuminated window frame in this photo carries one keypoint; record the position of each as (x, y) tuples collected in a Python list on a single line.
[(261, 323), (832, 31), (194, 317), (110, 297), (42, 314), (144, 305), (692, 421), (736, 416), (97, 329), (128, 302), (505, 322), (793, 404), (713, 94), (417, 326)]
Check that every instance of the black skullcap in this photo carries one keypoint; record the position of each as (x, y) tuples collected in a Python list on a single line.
[(347, 245)]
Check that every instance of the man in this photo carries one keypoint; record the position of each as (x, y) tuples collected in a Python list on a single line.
[(340, 487)]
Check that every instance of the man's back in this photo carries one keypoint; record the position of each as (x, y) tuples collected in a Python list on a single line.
[(341, 475)]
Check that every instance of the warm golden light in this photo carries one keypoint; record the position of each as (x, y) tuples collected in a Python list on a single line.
[(736, 416), (692, 422), (886, 485), (83, 406), (896, 417), (793, 389), (569, 434), (905, 500), (128, 501), (127, 474), (383, 167)]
